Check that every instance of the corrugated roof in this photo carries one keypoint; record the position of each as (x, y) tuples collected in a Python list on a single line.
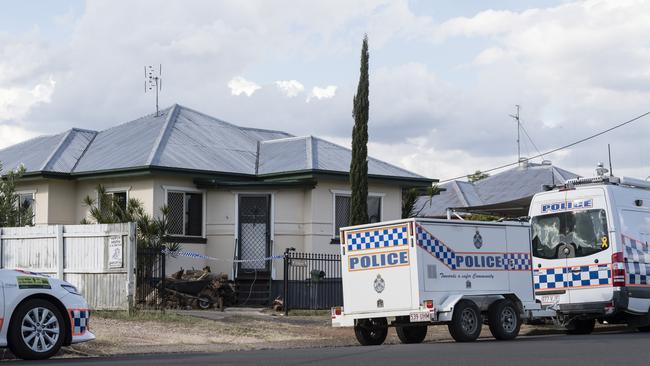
[(511, 185), (183, 138), (312, 153)]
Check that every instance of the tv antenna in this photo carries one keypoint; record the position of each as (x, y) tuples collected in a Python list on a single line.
[(153, 81), (516, 117)]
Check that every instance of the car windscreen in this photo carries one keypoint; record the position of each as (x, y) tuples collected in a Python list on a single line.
[(585, 231)]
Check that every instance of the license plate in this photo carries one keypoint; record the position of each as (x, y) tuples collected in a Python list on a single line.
[(420, 316), (549, 299)]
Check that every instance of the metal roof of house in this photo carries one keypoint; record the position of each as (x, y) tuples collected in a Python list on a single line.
[(515, 185), (312, 153), (185, 139)]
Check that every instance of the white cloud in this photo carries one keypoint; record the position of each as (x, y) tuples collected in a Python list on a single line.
[(238, 85), (290, 88), (14, 134), (322, 93), (16, 102)]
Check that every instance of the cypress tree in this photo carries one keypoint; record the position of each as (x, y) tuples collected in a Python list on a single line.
[(359, 163)]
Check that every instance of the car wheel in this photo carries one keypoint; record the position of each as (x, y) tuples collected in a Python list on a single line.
[(371, 332), (411, 334), (466, 322), (36, 331), (581, 326), (504, 320)]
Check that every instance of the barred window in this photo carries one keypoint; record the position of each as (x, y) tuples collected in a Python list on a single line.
[(185, 213), (342, 211)]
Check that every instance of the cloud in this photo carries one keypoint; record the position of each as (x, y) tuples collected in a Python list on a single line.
[(14, 134), (290, 88), (16, 102), (238, 85), (322, 93)]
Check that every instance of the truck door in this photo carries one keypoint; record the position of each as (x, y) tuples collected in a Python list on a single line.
[(549, 260), (590, 254), (376, 266)]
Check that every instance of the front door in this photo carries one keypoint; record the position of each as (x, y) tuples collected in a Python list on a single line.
[(254, 232)]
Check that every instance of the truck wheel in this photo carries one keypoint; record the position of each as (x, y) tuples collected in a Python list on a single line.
[(371, 332), (466, 322), (581, 326), (504, 320), (36, 331), (411, 334)]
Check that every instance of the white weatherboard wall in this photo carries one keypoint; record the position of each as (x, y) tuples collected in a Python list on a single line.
[(80, 255)]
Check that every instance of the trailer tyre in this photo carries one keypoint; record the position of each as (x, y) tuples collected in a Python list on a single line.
[(411, 334), (644, 329), (371, 332), (581, 326), (504, 320), (466, 322)]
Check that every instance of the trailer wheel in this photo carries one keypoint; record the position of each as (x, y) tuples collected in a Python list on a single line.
[(581, 326), (371, 332), (504, 320), (411, 334), (466, 322), (204, 302)]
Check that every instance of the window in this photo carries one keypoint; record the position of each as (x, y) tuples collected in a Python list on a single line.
[(342, 210), (118, 198), (584, 231), (185, 213), (25, 208)]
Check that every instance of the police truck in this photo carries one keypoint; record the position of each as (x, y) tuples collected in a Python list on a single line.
[(583, 257)]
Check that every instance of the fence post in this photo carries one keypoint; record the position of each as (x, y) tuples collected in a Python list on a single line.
[(131, 267), (60, 255), (286, 281)]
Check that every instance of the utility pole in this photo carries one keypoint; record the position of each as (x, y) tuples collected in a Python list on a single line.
[(516, 117)]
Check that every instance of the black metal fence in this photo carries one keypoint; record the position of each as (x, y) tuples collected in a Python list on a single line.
[(312, 281), (150, 279)]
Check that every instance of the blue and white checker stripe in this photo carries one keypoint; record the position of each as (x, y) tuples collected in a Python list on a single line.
[(79, 321), (518, 261), (597, 275), (549, 278), (638, 261), (435, 247), (381, 238), (564, 277)]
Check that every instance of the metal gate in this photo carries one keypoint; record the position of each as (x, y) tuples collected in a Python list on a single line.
[(150, 279), (312, 281), (254, 231)]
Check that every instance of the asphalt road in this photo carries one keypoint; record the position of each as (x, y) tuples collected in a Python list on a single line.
[(613, 348)]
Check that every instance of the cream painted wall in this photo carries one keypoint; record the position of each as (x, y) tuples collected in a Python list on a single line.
[(61, 193)]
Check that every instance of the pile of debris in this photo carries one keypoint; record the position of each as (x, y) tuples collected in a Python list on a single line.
[(199, 289)]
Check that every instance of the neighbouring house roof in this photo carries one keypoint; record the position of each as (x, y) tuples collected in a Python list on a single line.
[(507, 193), (184, 139)]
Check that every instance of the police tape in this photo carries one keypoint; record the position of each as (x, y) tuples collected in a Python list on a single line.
[(183, 253)]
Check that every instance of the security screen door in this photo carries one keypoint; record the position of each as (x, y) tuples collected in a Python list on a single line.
[(254, 231)]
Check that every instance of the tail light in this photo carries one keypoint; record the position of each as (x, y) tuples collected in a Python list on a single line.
[(337, 311), (428, 304), (618, 269)]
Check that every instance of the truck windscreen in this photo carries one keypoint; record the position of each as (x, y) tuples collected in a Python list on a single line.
[(586, 231)]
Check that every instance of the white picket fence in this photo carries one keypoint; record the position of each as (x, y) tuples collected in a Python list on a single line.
[(98, 259)]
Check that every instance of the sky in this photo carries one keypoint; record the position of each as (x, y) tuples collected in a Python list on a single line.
[(444, 75)]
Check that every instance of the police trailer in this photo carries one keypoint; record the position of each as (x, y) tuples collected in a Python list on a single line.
[(585, 258)]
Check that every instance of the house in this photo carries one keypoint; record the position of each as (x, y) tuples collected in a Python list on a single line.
[(233, 192), (506, 194)]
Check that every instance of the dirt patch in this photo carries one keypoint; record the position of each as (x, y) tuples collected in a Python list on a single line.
[(238, 331)]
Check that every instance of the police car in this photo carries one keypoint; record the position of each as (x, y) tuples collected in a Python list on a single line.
[(39, 314), (591, 253)]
